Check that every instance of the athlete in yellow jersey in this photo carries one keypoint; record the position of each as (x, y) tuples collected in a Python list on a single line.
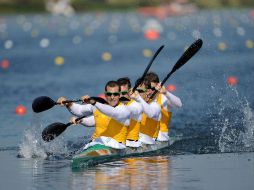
[(111, 121), (166, 100), (151, 114), (136, 111)]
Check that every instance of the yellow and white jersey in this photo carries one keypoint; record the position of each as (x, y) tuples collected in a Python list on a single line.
[(149, 123), (136, 110), (110, 123), (166, 102)]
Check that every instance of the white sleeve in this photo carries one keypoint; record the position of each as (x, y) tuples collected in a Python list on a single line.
[(120, 113), (88, 121), (173, 101), (152, 110), (81, 110), (136, 110)]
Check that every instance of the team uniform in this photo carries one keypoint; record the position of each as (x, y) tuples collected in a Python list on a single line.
[(132, 139), (149, 127), (166, 102), (111, 123)]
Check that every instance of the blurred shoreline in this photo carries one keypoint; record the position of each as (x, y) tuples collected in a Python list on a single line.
[(38, 6)]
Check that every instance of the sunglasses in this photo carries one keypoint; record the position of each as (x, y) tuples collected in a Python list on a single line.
[(141, 90), (112, 93), (124, 92)]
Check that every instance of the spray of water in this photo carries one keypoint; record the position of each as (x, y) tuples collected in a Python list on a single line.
[(237, 129), (33, 146), (248, 135)]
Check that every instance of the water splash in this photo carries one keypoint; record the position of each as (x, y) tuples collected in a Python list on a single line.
[(237, 130), (33, 146), (248, 135)]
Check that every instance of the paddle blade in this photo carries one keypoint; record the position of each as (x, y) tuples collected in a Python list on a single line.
[(53, 130), (192, 50), (42, 103)]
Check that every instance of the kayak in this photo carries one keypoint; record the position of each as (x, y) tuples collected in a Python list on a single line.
[(98, 154)]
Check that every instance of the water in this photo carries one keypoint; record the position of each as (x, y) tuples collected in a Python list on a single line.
[(213, 131)]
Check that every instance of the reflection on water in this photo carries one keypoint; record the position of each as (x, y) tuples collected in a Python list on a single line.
[(232, 171), (130, 173), (51, 173)]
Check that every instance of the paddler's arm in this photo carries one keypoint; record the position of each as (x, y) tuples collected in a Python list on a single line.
[(77, 109), (120, 113), (173, 101), (152, 110), (87, 121), (81, 110), (136, 110)]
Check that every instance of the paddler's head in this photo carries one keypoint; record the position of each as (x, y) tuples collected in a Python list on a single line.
[(125, 86), (141, 88), (152, 80), (112, 93)]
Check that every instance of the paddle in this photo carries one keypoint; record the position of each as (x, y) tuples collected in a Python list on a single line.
[(43, 103), (189, 53), (148, 67), (55, 129)]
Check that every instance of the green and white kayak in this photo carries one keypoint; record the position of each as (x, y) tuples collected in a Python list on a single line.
[(98, 154)]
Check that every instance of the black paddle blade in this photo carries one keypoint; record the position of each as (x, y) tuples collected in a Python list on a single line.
[(53, 130), (42, 103), (192, 50), (189, 53)]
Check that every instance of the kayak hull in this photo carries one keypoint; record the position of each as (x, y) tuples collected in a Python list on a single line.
[(98, 154)]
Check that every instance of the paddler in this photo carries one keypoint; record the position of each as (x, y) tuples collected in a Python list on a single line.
[(151, 113), (136, 110), (167, 101), (111, 121)]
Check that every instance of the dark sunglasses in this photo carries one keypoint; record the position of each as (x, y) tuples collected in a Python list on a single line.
[(112, 93), (124, 92), (141, 90)]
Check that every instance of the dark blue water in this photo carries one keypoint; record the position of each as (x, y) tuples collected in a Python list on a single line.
[(215, 117)]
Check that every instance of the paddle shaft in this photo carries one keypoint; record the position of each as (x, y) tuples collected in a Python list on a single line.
[(69, 101), (187, 55), (70, 123), (148, 67)]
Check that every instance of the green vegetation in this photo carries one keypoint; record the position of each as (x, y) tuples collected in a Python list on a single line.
[(11, 6), (223, 3)]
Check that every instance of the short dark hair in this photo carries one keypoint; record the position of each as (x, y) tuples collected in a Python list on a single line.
[(140, 81), (124, 81), (112, 83), (152, 77)]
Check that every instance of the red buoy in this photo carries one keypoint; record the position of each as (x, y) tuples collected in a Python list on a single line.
[(232, 80), (5, 64), (152, 34), (171, 88), (20, 110)]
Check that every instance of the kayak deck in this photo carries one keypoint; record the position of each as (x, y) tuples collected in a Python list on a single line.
[(98, 154)]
